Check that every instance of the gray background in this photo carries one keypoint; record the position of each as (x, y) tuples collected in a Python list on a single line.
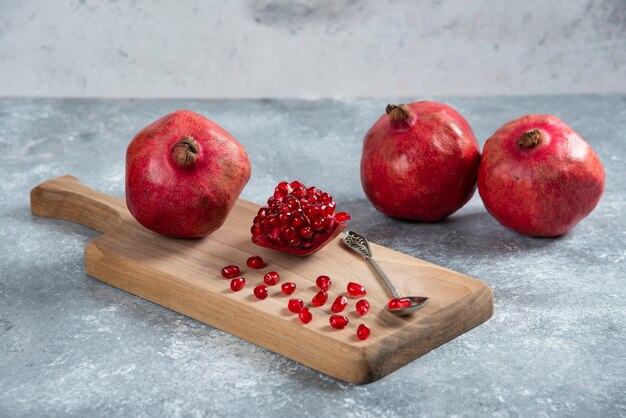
[(311, 48), (71, 345)]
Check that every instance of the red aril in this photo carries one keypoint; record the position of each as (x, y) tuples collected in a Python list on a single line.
[(362, 332), (230, 271), (338, 321), (538, 177), (297, 220), (320, 298), (237, 284), (271, 278), (362, 307), (356, 290), (323, 282), (339, 304), (420, 162), (260, 291), (255, 262), (398, 303), (288, 288), (305, 315), (184, 174), (295, 305)]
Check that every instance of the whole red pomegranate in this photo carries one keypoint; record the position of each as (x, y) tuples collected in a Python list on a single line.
[(297, 220), (183, 175), (420, 162), (539, 177)]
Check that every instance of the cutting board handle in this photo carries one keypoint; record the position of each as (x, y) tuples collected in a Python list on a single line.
[(67, 198)]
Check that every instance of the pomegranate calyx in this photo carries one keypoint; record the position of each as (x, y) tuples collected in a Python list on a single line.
[(398, 113), (185, 152), (530, 139)]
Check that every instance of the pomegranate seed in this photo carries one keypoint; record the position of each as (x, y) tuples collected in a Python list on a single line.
[(342, 216), (237, 284), (260, 291), (255, 262), (320, 298), (338, 321), (339, 304), (298, 222), (306, 232), (362, 307), (323, 282), (288, 288), (362, 332), (288, 232), (305, 315), (271, 278), (284, 218), (398, 303), (295, 305), (317, 224), (231, 271), (356, 290)]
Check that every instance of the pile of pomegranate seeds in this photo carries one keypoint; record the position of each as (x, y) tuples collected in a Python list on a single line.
[(297, 219), (297, 306), (230, 271), (288, 288)]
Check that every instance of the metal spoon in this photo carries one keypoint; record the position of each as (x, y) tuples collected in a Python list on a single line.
[(399, 305)]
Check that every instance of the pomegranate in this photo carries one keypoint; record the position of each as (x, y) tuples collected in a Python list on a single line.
[(183, 175), (539, 177), (297, 220), (419, 162)]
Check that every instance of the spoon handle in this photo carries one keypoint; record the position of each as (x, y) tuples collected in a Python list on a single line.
[(383, 276)]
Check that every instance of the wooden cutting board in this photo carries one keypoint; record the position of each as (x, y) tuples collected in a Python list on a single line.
[(184, 275)]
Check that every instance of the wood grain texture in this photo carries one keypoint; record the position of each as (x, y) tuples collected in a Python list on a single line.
[(184, 275)]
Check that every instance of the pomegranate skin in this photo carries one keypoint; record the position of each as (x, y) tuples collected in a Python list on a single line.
[(538, 177), (420, 162), (184, 173)]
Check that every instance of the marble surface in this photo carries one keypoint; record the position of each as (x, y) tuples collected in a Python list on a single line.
[(73, 346), (311, 48)]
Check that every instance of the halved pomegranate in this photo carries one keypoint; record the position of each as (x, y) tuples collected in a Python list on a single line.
[(297, 220)]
